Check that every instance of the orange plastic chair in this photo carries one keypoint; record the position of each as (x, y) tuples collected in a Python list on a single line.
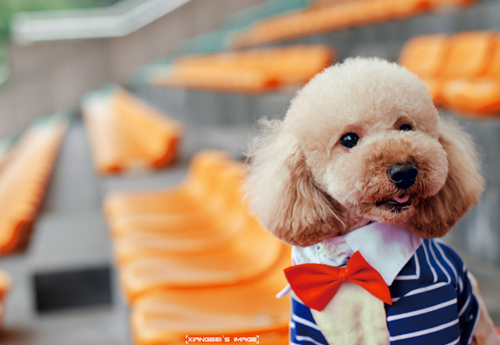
[(126, 135), (154, 236), (112, 150), (404, 9), (142, 240), (246, 309), (247, 257), (210, 216), (469, 55), (188, 197), (216, 78), (324, 17), (23, 181), (426, 56), (477, 95), (155, 133), (248, 71)]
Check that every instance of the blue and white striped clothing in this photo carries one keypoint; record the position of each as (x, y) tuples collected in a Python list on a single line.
[(432, 303)]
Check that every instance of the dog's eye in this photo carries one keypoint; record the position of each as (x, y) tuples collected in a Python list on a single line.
[(405, 127), (349, 140)]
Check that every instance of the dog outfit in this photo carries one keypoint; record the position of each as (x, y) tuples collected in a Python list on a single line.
[(432, 299)]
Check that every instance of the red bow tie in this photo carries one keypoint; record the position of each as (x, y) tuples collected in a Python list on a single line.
[(316, 284)]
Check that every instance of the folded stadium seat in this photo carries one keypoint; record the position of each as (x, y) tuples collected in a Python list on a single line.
[(405, 9), (219, 79), (254, 252), (156, 134), (326, 17), (247, 71), (294, 65), (426, 56), (375, 11), (316, 19), (112, 150), (210, 215), (189, 196), (125, 134), (24, 179), (477, 95), (247, 309), (469, 55), (215, 77), (166, 235), (141, 243)]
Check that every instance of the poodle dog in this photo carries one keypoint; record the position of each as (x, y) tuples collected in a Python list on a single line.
[(363, 163)]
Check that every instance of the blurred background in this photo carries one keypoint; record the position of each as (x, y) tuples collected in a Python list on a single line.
[(117, 226)]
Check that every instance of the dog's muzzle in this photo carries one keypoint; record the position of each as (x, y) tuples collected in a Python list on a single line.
[(403, 175)]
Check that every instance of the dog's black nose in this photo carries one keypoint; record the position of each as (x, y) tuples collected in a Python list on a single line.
[(403, 174)]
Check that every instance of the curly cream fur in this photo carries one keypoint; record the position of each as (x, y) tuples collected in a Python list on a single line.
[(305, 186)]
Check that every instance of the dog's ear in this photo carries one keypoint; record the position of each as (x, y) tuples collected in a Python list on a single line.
[(282, 191), (436, 215)]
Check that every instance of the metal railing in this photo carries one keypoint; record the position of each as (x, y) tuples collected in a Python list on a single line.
[(116, 20)]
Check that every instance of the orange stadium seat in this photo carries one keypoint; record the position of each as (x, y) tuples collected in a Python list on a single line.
[(235, 263), (156, 134), (469, 54), (175, 272), (402, 9), (208, 215), (325, 17), (206, 166), (165, 234), (125, 134), (426, 56), (248, 71), (24, 179), (247, 309), (444, 62), (480, 94)]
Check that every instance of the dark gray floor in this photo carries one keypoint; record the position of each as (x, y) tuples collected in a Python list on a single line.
[(71, 233)]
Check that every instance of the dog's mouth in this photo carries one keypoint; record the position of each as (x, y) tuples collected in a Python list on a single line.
[(397, 204)]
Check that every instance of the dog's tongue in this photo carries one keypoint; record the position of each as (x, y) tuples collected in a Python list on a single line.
[(402, 199)]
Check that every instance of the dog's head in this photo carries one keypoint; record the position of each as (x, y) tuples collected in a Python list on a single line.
[(361, 142)]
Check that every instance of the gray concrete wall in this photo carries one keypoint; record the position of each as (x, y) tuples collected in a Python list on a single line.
[(46, 77)]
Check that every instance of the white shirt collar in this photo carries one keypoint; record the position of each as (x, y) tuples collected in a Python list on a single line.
[(387, 248)]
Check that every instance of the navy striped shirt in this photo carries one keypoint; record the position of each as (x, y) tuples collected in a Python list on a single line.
[(432, 303)]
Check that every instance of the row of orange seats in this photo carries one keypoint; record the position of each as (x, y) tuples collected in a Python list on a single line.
[(126, 134), (192, 262), (248, 71), (462, 71), (24, 178), (335, 15)]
